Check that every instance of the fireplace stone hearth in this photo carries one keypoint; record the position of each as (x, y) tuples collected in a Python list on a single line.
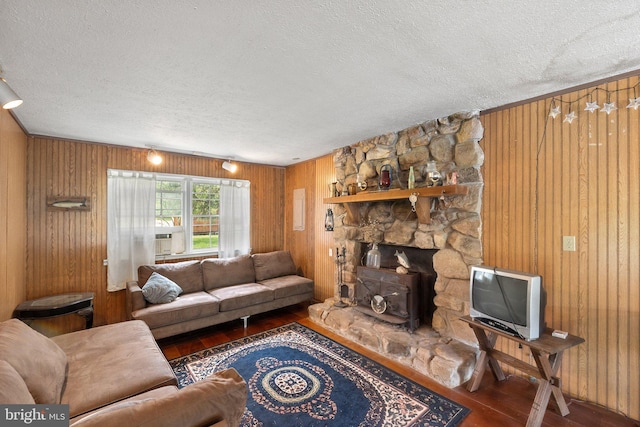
[(443, 359)]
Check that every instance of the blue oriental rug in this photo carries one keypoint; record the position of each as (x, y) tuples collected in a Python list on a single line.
[(297, 377)]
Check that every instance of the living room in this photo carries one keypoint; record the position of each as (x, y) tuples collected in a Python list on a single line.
[(544, 178)]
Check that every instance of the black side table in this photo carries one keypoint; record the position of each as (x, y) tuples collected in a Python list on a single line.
[(57, 305)]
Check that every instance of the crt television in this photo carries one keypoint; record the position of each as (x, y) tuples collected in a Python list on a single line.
[(510, 301)]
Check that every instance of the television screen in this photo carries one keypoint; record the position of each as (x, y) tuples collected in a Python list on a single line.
[(508, 304)]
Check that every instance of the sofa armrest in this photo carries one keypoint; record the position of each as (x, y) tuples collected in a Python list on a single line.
[(221, 396), (134, 298)]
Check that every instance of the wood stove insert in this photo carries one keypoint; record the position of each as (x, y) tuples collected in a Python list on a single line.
[(388, 296)]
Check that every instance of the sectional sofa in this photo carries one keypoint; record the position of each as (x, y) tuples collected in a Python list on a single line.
[(216, 290), (112, 375)]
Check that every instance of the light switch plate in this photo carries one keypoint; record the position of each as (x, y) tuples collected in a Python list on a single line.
[(569, 243)]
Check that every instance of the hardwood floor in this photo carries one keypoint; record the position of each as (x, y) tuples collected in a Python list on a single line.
[(504, 403)]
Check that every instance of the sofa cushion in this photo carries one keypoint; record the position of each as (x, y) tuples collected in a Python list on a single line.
[(187, 307), (285, 286), (41, 363), (220, 272), (13, 390), (241, 296), (160, 289), (156, 393), (273, 264), (222, 395), (187, 274), (110, 363)]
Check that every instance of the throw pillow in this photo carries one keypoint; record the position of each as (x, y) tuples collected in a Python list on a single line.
[(160, 290), (273, 264), (187, 273)]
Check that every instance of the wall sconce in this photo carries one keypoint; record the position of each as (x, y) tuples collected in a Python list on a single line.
[(228, 166), (328, 220), (8, 98), (154, 157)]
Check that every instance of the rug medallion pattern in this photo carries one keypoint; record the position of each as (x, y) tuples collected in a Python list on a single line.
[(297, 376)]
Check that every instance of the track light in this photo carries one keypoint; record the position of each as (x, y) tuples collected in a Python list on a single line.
[(154, 157), (8, 98), (228, 166)]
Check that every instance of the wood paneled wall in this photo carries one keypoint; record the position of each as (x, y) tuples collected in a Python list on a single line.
[(583, 183), (310, 247), (325, 267), (300, 242), (65, 250), (13, 205)]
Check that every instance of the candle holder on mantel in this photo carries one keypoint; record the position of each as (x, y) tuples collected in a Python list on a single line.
[(343, 288)]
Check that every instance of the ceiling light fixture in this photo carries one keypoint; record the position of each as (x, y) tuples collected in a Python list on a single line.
[(8, 98), (228, 166), (154, 157)]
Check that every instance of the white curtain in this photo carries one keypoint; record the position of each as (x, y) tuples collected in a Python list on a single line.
[(234, 219), (131, 201)]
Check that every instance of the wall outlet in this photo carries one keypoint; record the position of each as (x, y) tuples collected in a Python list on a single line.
[(569, 243), (330, 252)]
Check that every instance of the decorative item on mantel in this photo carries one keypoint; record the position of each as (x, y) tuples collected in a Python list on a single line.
[(452, 178), (404, 266), (362, 184), (353, 189), (432, 174), (385, 177), (333, 189), (411, 183)]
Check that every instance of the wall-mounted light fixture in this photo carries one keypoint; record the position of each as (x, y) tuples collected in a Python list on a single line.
[(154, 157), (229, 166), (8, 98)]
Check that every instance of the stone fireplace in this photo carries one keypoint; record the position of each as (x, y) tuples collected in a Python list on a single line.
[(443, 347)]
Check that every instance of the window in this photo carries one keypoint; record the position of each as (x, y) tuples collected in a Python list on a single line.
[(169, 203), (182, 204), (188, 215), (153, 216), (205, 210)]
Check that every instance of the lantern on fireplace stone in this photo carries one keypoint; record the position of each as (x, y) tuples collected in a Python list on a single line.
[(385, 177), (328, 220)]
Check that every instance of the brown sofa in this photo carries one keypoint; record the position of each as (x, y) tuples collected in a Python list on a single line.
[(113, 375), (218, 290)]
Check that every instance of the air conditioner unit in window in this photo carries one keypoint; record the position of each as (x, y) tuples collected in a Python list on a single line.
[(177, 241), (163, 244)]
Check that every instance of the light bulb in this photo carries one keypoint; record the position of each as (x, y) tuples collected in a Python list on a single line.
[(154, 157)]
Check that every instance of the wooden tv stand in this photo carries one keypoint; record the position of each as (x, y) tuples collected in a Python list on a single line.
[(547, 353)]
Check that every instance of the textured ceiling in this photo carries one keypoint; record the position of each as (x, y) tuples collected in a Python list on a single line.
[(277, 82)]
